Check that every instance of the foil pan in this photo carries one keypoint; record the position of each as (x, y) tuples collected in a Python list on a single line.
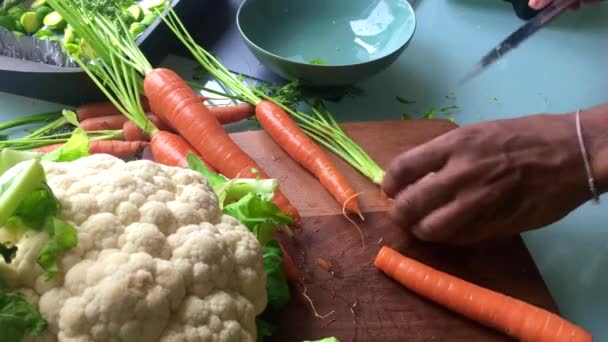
[(34, 50), (40, 69)]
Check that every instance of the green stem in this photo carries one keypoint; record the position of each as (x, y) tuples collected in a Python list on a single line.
[(30, 119), (117, 76), (50, 127), (17, 183), (321, 128)]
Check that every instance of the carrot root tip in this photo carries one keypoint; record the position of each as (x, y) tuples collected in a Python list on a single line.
[(312, 305)]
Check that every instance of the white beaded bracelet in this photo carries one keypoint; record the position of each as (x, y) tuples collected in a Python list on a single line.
[(590, 179)]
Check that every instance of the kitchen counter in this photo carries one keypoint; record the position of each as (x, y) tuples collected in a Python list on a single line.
[(559, 69)]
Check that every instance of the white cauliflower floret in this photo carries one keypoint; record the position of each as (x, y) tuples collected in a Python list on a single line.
[(220, 316), (131, 302), (156, 259)]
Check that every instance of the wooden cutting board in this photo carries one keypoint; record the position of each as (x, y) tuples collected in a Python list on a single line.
[(367, 305)]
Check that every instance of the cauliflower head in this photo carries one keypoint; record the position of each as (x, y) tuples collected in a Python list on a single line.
[(156, 260)]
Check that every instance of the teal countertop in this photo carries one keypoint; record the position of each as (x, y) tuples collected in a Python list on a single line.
[(559, 69)]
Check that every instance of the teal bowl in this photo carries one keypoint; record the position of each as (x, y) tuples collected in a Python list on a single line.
[(326, 42)]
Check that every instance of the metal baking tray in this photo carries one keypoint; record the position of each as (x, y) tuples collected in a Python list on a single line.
[(70, 85)]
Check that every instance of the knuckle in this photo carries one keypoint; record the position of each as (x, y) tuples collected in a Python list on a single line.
[(427, 231), (405, 210)]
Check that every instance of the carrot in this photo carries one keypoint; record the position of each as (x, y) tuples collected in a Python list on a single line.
[(324, 264), (175, 102), (132, 132), (233, 113), (172, 150), (103, 108), (117, 148), (103, 122), (289, 266), (514, 317), (286, 133)]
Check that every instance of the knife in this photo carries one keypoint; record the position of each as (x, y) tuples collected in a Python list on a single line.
[(517, 37)]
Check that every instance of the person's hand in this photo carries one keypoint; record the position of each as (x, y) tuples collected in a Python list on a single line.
[(489, 180), (540, 4)]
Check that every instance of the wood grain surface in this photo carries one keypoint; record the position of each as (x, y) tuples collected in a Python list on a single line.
[(367, 305)]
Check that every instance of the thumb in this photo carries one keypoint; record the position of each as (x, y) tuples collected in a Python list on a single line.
[(538, 4)]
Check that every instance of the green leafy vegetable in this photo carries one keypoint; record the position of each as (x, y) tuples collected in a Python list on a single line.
[(231, 190), (214, 179), (404, 100), (7, 5), (320, 125), (70, 116), (27, 202), (265, 329), (76, 147), (259, 215), (277, 287), (430, 114), (317, 62), (10, 158), (37, 207), (7, 252), (16, 184), (448, 108), (327, 339), (18, 318), (63, 238)]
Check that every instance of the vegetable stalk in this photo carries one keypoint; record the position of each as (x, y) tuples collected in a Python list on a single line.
[(30, 119), (321, 126)]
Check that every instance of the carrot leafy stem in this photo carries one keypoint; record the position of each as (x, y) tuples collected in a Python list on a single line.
[(320, 126)]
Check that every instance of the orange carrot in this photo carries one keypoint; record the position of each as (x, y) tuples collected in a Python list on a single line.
[(172, 150), (103, 122), (104, 108), (173, 101), (324, 264), (286, 133), (511, 316), (289, 266), (131, 132), (233, 113), (117, 148)]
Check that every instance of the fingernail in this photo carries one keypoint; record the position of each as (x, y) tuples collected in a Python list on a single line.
[(533, 3)]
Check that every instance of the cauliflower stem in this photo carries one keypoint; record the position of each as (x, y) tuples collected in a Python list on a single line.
[(29, 212)]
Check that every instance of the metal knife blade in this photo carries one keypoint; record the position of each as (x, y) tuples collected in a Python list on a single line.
[(517, 37)]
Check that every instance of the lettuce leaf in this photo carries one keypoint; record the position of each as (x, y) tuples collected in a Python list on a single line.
[(16, 184), (18, 318), (276, 284), (259, 215), (265, 329), (76, 147), (231, 190), (63, 238), (28, 203)]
